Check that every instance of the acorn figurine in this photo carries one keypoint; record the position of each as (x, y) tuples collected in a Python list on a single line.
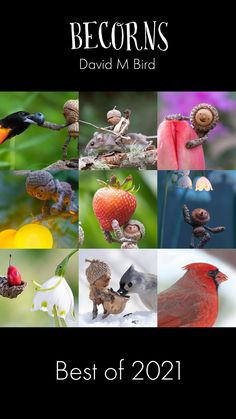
[(113, 116), (204, 117), (98, 275), (134, 230), (71, 111), (71, 114)]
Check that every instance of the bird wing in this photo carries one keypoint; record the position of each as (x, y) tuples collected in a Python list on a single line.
[(4, 134), (177, 309)]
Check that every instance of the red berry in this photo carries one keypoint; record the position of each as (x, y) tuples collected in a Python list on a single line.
[(110, 203), (13, 275)]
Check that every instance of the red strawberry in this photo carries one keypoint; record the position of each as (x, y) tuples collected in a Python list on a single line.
[(114, 202)]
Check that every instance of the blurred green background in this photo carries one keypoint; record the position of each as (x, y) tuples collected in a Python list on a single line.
[(17, 207), (39, 266), (146, 211), (37, 147), (95, 105)]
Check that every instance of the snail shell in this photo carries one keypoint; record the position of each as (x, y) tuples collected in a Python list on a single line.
[(40, 184), (71, 111), (113, 116), (204, 117)]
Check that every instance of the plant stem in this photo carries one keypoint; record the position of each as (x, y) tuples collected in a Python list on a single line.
[(179, 220), (63, 322), (163, 213), (56, 319), (61, 268)]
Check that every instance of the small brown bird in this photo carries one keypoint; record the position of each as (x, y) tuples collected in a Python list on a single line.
[(193, 300)]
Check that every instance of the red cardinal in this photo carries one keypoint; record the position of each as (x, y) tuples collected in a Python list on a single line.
[(193, 300), (172, 153)]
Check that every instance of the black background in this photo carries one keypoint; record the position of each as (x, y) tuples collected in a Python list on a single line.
[(36, 48), (35, 55)]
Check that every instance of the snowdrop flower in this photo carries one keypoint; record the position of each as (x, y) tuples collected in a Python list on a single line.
[(54, 294), (184, 182), (203, 184)]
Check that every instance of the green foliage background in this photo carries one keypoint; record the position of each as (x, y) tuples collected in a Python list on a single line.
[(37, 147), (95, 105), (39, 266), (146, 210), (17, 207)]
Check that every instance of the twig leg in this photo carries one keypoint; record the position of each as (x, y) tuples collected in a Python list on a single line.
[(177, 116), (204, 241), (108, 236), (192, 242), (196, 142), (65, 147), (105, 314), (95, 310)]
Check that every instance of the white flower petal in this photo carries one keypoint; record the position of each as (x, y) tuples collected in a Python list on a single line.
[(203, 184), (184, 182), (61, 297)]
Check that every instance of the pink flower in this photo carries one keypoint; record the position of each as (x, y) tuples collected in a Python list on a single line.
[(172, 154)]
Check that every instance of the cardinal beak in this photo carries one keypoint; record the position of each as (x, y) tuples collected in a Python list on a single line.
[(37, 118), (220, 277)]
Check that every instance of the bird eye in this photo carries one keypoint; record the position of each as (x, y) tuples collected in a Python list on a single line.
[(92, 143), (130, 284), (214, 273)]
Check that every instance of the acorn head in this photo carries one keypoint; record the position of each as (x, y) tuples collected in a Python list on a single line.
[(200, 216), (97, 270), (71, 111), (204, 117), (134, 230), (113, 116)]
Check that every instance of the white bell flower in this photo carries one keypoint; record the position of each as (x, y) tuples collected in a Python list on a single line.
[(54, 294)]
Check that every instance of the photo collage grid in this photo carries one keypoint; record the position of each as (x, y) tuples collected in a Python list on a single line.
[(118, 209)]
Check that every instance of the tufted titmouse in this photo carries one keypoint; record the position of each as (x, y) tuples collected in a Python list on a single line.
[(143, 284)]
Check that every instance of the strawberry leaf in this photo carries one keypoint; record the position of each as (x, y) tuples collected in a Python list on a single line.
[(114, 182), (127, 184)]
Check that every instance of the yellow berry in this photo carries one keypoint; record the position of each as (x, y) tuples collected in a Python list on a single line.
[(33, 236), (7, 238)]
